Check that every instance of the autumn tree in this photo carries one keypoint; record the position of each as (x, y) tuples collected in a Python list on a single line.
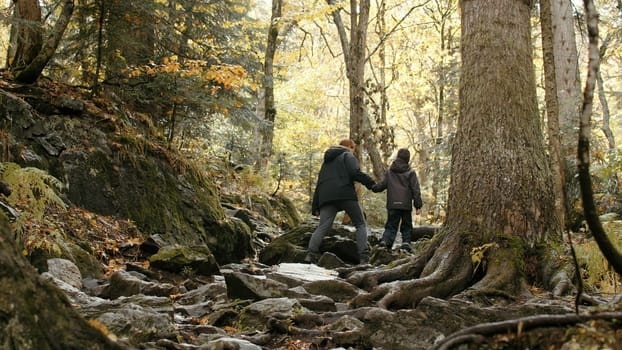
[(501, 224), (353, 46), (267, 109), (442, 81), (383, 67), (177, 63)]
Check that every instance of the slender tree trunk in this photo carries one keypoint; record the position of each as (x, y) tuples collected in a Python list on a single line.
[(441, 17), (387, 143), (354, 58), (266, 128), (371, 146), (569, 99), (552, 109), (100, 44), (605, 245), (359, 16), (606, 128), (614, 182)]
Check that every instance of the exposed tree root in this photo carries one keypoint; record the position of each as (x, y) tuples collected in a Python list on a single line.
[(409, 269), (448, 279), (475, 333), (450, 271), (501, 278), (319, 336)]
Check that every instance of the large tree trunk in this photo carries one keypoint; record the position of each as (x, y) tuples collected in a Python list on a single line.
[(501, 207), (500, 189), (33, 69), (26, 37), (35, 314)]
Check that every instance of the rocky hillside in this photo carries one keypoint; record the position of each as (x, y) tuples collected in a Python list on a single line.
[(65, 155)]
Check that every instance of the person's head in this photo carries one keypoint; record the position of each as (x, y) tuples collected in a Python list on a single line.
[(347, 143), (404, 154)]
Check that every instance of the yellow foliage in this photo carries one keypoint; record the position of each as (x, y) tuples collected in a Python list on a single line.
[(32, 188), (35, 194), (102, 328), (99, 326), (229, 76), (478, 254)]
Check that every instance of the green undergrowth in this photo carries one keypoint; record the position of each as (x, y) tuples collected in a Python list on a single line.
[(596, 272)]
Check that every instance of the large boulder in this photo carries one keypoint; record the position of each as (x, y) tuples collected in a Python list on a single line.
[(112, 164), (291, 246)]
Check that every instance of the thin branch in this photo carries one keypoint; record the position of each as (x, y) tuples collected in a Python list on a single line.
[(395, 27), (583, 151)]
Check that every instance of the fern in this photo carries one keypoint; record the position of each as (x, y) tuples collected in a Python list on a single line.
[(35, 193), (33, 189)]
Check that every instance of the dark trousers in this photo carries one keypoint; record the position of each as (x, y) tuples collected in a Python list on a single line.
[(398, 220), (327, 216)]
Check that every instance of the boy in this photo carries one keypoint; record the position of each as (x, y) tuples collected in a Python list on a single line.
[(403, 193)]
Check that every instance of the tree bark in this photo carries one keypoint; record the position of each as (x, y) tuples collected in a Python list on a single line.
[(268, 115), (568, 97), (552, 108), (500, 187), (602, 98), (605, 245), (26, 37), (501, 219), (33, 69), (359, 16), (354, 58), (35, 314)]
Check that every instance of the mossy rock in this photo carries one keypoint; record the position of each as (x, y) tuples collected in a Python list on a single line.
[(181, 207), (278, 210), (111, 169), (189, 260), (292, 245)]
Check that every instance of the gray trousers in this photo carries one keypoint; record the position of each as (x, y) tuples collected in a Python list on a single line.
[(327, 217)]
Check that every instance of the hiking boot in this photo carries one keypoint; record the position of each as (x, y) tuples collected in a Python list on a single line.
[(364, 260), (406, 247), (385, 245), (312, 258)]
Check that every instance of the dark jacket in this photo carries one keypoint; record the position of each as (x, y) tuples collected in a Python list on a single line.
[(402, 186), (335, 181)]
